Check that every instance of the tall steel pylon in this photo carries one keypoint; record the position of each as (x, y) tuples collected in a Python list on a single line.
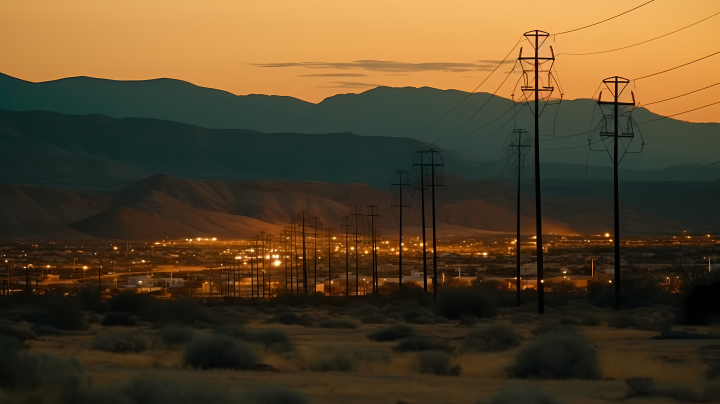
[(303, 217), (516, 149), (435, 163), (346, 224), (372, 214), (357, 220), (616, 85), (399, 203), (532, 67)]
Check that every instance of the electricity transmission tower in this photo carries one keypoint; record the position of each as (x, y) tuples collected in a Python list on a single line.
[(372, 214), (303, 217), (516, 150), (418, 161), (433, 160), (399, 203), (328, 234), (315, 220), (532, 67), (346, 224), (357, 220), (616, 85)]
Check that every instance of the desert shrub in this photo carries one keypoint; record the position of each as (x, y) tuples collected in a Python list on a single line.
[(523, 394), (417, 343), (152, 309), (220, 352), (557, 356), (272, 340), (119, 341), (291, 318), (639, 322), (547, 326), (567, 320), (338, 323), (453, 303), (468, 320), (496, 337), (115, 318), (606, 299), (422, 320), (22, 334), (43, 330), (412, 313), (175, 335), (332, 359), (394, 316), (437, 363), (274, 394), (59, 312), (373, 319), (392, 333)]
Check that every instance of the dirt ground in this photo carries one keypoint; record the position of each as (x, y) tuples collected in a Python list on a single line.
[(623, 353)]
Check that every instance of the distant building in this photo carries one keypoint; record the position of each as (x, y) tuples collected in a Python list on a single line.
[(143, 281)]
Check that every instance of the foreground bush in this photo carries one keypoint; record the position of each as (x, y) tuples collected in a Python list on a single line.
[(219, 352), (437, 363), (495, 337), (120, 341), (392, 333), (455, 302), (557, 356), (524, 395), (175, 335)]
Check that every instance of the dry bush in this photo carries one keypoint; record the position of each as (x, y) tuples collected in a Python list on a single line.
[(338, 323), (392, 333), (437, 363), (121, 318), (454, 302), (23, 334), (44, 330), (291, 318), (120, 341), (640, 322), (646, 387), (176, 335), (332, 359), (272, 340), (557, 356), (371, 355), (495, 337), (219, 352), (523, 394), (373, 319), (232, 330)]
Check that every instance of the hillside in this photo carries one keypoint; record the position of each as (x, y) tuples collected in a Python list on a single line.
[(383, 111)]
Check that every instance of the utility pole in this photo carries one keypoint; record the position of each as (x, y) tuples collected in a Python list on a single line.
[(399, 204), (433, 154), (519, 146), (293, 258), (303, 214), (99, 277), (614, 84), (420, 157), (328, 232), (346, 225), (531, 66), (315, 220), (372, 214), (356, 232), (285, 256)]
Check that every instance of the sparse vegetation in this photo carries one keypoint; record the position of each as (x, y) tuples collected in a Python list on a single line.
[(437, 363), (454, 302), (338, 323), (495, 337), (392, 333), (120, 341), (274, 394), (272, 340), (291, 318), (557, 356), (121, 318), (219, 352), (176, 335), (515, 394), (333, 359), (417, 343)]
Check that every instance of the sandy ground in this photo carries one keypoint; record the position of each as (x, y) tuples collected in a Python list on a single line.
[(623, 353)]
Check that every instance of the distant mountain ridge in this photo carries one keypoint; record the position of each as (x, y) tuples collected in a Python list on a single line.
[(383, 111)]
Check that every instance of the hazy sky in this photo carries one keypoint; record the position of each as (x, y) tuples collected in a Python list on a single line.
[(313, 49)]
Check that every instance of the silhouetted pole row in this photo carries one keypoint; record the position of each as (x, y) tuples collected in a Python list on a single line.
[(520, 145), (372, 214), (346, 225), (399, 203)]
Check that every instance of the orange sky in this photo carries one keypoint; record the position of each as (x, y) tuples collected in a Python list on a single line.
[(222, 43)]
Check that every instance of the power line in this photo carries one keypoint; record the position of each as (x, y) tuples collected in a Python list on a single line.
[(478, 86), (676, 67), (688, 172), (682, 95), (679, 113), (640, 43), (591, 25)]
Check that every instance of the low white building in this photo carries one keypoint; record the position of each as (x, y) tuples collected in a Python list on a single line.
[(144, 281)]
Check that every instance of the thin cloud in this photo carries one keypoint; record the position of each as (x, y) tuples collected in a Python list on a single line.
[(351, 84), (333, 75), (390, 66)]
